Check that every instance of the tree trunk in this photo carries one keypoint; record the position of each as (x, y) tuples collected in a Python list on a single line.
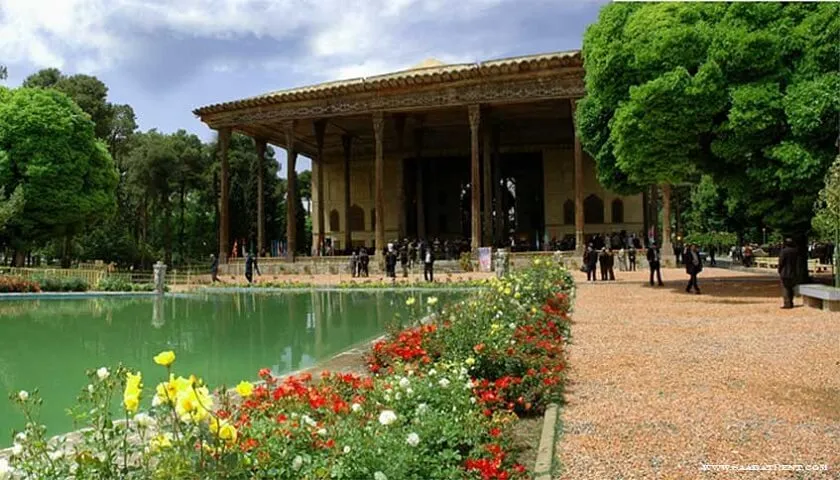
[(167, 230), (20, 257), (182, 233), (65, 257)]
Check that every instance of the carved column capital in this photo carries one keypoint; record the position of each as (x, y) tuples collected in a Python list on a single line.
[(378, 124), (475, 116)]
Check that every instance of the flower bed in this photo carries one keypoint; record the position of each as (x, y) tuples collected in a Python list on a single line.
[(439, 405), (18, 285)]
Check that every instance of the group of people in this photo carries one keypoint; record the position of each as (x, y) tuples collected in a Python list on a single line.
[(251, 266), (406, 253), (606, 259)]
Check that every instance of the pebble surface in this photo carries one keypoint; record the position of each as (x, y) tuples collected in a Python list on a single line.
[(662, 382)]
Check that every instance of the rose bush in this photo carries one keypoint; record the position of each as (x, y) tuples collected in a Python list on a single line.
[(439, 405)]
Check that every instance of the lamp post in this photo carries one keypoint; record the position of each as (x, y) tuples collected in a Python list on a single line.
[(764, 235)]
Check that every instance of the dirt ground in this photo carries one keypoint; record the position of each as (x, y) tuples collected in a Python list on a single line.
[(662, 382)]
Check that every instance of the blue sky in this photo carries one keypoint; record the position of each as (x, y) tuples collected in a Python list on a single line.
[(166, 58)]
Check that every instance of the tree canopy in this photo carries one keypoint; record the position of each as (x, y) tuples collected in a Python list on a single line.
[(744, 93), (48, 149)]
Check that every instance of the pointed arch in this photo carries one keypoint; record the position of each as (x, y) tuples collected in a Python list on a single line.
[(334, 221), (593, 210), (357, 219), (569, 212), (617, 211)]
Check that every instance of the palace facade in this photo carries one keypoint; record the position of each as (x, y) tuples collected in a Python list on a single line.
[(481, 151)]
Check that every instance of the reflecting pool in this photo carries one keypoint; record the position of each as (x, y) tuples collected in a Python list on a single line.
[(222, 337)]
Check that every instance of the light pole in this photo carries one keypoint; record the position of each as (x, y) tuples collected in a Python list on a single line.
[(764, 235)]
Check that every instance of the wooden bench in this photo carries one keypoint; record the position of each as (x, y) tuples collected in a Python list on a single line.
[(820, 296)]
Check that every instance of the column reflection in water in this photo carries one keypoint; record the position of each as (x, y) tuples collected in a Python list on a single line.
[(158, 307)]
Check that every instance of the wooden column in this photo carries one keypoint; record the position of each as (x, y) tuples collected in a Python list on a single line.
[(579, 240), (319, 127), (487, 190), (667, 250), (224, 194), (497, 185), (475, 177), (347, 144), (421, 198), (291, 191), (399, 126), (260, 143), (378, 133)]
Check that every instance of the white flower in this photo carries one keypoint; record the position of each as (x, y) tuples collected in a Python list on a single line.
[(432, 372), (143, 420), (322, 432), (387, 397), (346, 449), (6, 470), (412, 439), (297, 463), (444, 382), (422, 408), (404, 383), (102, 373), (432, 300), (387, 417), (157, 401), (56, 454), (409, 391), (309, 421), (511, 325), (379, 476), (355, 407), (468, 385), (17, 449), (472, 399), (23, 395), (20, 437)]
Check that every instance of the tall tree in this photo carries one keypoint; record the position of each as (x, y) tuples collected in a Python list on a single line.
[(87, 91), (746, 93), (48, 148)]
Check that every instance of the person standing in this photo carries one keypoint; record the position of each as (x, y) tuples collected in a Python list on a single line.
[(693, 266), (354, 264), (712, 252), (631, 257), (610, 264), (404, 259), (602, 262), (428, 265), (250, 267), (364, 260), (622, 260), (788, 260), (654, 259), (590, 260), (214, 269)]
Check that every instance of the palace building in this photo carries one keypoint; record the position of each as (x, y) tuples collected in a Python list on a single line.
[(480, 151)]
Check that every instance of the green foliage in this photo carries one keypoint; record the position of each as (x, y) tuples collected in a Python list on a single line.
[(745, 93), (61, 284), (119, 284), (89, 93), (48, 149)]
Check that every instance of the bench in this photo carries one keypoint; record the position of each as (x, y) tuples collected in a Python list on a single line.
[(820, 296)]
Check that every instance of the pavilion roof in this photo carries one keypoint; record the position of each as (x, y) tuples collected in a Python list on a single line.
[(429, 72)]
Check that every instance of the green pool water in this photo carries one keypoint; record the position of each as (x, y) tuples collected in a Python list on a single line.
[(222, 337)]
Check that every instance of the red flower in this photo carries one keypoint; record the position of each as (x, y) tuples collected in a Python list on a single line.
[(495, 432)]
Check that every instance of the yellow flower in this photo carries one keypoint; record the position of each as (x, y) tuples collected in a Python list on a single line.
[(507, 290), (165, 358), (495, 327), (227, 432), (244, 389), (470, 361), (516, 295), (533, 309), (161, 441), (131, 395), (410, 301)]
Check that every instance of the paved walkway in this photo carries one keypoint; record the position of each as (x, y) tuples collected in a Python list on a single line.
[(662, 381)]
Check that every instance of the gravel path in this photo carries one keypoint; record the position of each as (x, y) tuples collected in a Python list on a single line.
[(662, 381)]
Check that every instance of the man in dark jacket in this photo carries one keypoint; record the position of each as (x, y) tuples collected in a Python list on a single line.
[(214, 269), (250, 266), (654, 260), (590, 261), (693, 266), (428, 264), (788, 259)]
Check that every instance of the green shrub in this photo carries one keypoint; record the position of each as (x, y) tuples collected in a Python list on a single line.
[(58, 284)]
